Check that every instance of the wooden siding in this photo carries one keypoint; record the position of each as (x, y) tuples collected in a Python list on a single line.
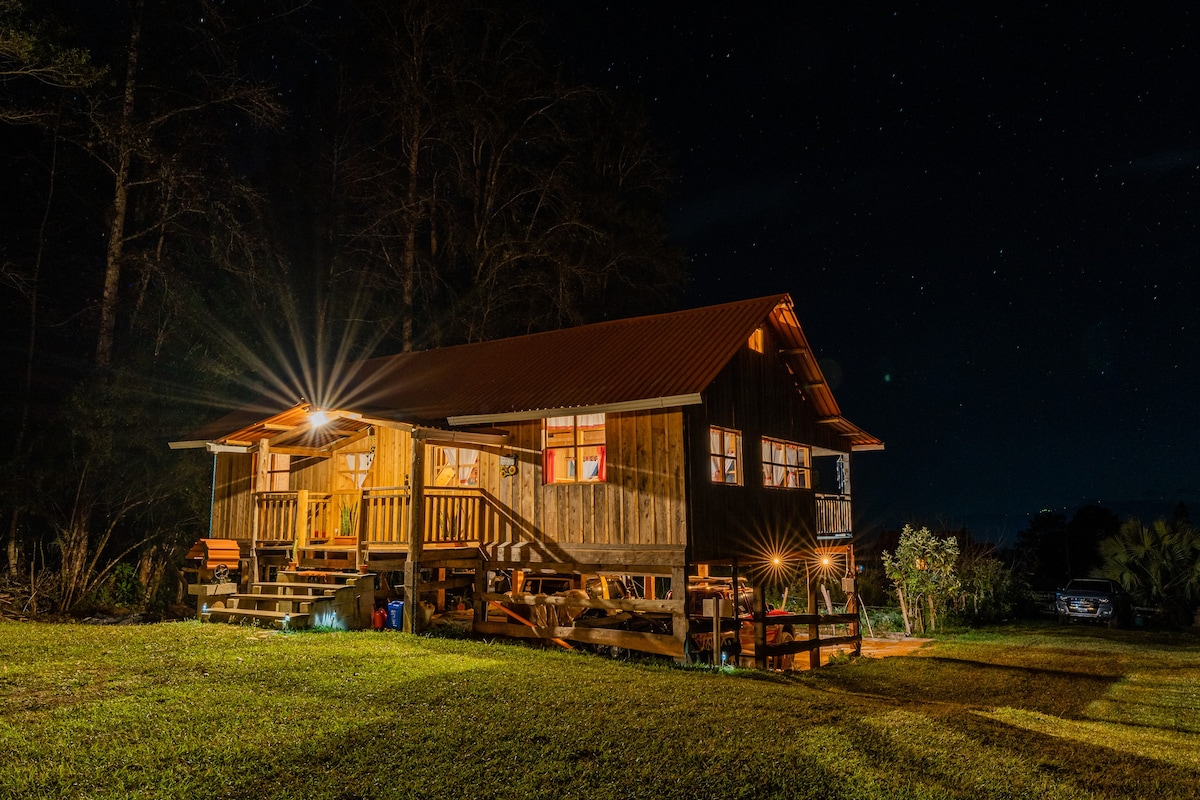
[(233, 505), (641, 506), (757, 396)]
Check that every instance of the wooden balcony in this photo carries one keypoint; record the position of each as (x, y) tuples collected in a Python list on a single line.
[(834, 520), (373, 519)]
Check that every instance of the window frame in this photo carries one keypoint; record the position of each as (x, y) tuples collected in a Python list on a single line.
[(578, 452), (802, 469), (719, 462), (437, 465)]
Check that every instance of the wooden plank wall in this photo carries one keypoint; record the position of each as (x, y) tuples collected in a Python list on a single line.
[(756, 395), (642, 503), (233, 505)]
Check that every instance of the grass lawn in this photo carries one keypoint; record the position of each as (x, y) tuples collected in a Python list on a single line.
[(213, 711)]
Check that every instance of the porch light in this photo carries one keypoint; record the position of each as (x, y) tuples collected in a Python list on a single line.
[(317, 418)]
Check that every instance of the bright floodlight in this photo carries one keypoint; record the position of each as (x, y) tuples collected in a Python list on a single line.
[(318, 418)]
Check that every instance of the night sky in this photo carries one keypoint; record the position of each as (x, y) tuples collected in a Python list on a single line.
[(986, 214)]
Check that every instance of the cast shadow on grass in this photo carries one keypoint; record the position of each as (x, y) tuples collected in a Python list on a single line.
[(973, 684), (491, 733), (957, 752)]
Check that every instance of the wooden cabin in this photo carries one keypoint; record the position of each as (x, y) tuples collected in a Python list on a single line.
[(667, 448)]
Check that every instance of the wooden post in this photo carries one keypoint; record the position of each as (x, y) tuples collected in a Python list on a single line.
[(760, 627), (679, 622), (360, 549), (852, 600), (481, 587), (814, 631), (302, 527), (262, 484), (716, 632), (416, 534)]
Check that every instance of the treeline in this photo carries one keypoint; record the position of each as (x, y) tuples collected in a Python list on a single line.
[(195, 192), (934, 576)]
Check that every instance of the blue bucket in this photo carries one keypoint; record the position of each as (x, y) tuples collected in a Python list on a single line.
[(395, 614)]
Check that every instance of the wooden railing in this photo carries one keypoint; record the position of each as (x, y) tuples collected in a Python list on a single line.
[(385, 515), (276, 517), (374, 516), (833, 515)]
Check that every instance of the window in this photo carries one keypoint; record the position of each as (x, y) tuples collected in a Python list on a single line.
[(455, 466), (575, 450), (725, 452), (756, 340), (785, 465)]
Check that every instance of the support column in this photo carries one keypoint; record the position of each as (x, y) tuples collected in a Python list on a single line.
[(814, 631), (852, 600), (760, 626), (416, 533), (481, 586), (679, 622)]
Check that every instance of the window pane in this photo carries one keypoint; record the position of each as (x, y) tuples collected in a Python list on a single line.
[(560, 431), (592, 459)]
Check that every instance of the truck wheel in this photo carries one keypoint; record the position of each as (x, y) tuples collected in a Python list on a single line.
[(1062, 619)]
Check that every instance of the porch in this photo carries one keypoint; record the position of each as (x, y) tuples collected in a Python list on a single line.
[(373, 522), (379, 521)]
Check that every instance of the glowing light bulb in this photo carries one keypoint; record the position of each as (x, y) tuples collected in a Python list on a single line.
[(318, 418)]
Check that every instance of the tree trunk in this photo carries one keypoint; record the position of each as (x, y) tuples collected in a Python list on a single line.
[(14, 546), (116, 230), (904, 611)]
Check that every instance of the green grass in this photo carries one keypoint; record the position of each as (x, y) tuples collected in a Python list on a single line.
[(212, 711)]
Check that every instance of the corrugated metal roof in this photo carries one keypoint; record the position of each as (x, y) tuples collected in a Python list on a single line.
[(669, 357)]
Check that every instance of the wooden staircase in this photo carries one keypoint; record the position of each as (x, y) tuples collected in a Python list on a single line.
[(301, 599)]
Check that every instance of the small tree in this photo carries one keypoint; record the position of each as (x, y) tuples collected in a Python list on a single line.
[(923, 572)]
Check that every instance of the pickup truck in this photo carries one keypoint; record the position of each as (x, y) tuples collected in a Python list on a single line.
[(1096, 599)]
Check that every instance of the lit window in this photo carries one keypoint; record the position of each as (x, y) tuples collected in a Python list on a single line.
[(785, 465), (455, 466), (575, 450), (725, 453), (756, 340)]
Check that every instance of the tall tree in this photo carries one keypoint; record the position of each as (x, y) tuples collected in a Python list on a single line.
[(480, 191)]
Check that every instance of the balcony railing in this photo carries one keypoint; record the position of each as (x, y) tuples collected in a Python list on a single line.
[(833, 517), (349, 520)]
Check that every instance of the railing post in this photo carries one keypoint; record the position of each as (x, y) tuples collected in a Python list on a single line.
[(361, 546), (302, 533), (416, 532)]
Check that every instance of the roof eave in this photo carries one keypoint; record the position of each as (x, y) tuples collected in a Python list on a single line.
[(645, 404)]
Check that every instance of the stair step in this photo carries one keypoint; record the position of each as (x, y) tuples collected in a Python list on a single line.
[(294, 621)]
